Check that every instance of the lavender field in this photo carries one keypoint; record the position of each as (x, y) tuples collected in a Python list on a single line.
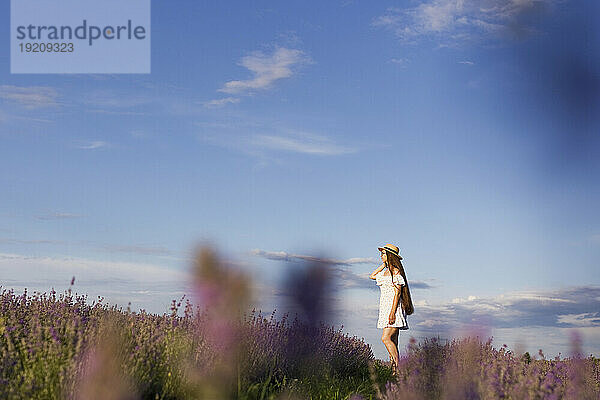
[(61, 346)]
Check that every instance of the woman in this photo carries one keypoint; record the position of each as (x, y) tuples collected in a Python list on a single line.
[(390, 278)]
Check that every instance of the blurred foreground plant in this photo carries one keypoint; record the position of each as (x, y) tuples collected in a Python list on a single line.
[(223, 293)]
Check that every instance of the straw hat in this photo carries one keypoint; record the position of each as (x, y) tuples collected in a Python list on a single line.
[(392, 249)]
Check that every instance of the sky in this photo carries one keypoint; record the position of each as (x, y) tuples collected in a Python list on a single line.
[(464, 132)]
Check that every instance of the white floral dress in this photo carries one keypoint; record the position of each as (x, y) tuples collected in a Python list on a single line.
[(386, 300)]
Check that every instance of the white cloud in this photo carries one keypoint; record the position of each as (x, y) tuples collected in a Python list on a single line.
[(538, 297), (460, 300), (400, 61), (305, 143), (430, 323), (466, 62), (96, 144), (569, 306), (267, 69), (585, 319), (31, 97), (451, 22), (221, 102), (437, 16), (58, 215)]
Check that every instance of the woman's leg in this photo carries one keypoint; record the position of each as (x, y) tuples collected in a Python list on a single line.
[(391, 347), (395, 338)]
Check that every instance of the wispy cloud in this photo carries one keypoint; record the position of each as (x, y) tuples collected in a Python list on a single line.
[(112, 112), (268, 146), (58, 215), (452, 22), (284, 256), (344, 277), (399, 61), (116, 99), (416, 284), (585, 319), (266, 70), (30, 241), (5, 117), (303, 143), (221, 102), (348, 279), (96, 144), (30, 97), (466, 62), (137, 249)]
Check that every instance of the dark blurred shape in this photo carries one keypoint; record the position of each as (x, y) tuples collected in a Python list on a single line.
[(309, 289), (562, 64)]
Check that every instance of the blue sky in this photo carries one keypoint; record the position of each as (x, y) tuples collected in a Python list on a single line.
[(463, 132)]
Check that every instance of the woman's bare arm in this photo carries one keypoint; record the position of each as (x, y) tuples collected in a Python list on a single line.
[(392, 317), (382, 266)]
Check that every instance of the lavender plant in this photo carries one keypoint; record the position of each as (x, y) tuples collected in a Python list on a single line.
[(61, 346), (472, 369)]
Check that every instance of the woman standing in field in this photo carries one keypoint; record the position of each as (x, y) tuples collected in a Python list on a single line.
[(394, 301)]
